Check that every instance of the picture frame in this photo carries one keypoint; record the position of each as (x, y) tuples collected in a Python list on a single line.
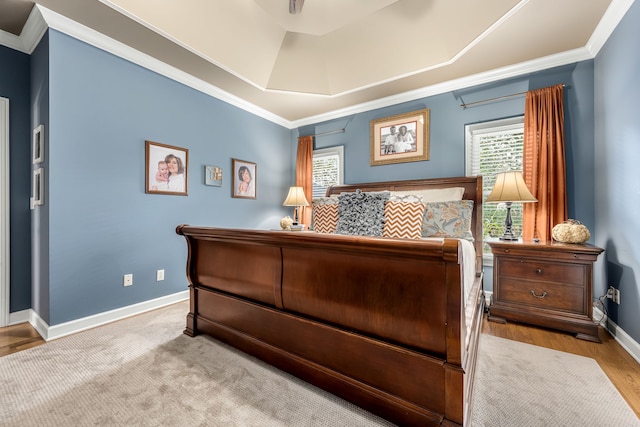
[(389, 145), (160, 160), (38, 187), (244, 179), (38, 145), (213, 175)]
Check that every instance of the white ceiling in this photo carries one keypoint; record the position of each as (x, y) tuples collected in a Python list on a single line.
[(340, 55)]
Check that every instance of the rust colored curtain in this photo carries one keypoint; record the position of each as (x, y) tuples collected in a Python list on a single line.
[(304, 174), (544, 168)]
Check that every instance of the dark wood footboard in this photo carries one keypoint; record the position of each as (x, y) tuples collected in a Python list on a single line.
[(378, 322)]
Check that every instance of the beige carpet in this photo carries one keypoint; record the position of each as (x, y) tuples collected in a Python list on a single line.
[(144, 372)]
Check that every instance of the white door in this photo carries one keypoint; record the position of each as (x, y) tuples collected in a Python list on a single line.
[(4, 211)]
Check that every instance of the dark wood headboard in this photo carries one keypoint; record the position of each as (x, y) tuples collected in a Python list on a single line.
[(472, 191)]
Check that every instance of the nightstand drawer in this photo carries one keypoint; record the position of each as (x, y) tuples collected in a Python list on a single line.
[(543, 271), (547, 295)]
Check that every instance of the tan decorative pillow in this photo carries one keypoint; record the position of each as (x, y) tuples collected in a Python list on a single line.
[(324, 214), (403, 219)]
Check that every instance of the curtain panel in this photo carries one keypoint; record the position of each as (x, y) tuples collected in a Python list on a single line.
[(304, 175), (544, 167)]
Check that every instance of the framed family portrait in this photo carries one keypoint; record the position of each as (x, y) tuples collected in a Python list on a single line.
[(401, 138), (213, 176), (244, 179), (38, 145), (166, 169)]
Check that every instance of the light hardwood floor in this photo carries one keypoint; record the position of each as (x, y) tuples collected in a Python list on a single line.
[(18, 337), (618, 365)]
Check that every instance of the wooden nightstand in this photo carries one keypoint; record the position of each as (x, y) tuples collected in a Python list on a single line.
[(547, 284)]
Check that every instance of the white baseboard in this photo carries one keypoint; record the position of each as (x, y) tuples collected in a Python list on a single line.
[(49, 333), (19, 317), (625, 340)]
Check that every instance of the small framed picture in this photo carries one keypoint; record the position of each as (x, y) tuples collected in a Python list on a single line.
[(244, 179), (38, 145), (38, 187), (213, 176), (401, 138), (167, 169)]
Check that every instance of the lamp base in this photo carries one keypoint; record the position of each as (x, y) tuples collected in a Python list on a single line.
[(508, 236)]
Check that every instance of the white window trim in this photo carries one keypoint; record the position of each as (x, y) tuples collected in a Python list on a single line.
[(338, 150), (486, 128)]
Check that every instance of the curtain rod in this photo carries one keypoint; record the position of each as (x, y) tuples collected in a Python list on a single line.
[(329, 132), (513, 95)]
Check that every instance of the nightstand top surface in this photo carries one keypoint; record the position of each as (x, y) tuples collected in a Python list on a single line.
[(548, 245)]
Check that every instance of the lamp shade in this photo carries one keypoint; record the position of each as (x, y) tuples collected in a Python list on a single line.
[(510, 187), (296, 197)]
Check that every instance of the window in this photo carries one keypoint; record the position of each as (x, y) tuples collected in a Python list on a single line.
[(493, 147), (328, 169)]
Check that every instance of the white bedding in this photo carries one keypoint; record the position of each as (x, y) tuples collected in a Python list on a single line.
[(468, 277), (468, 265)]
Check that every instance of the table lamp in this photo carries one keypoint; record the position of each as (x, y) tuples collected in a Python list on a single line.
[(296, 198), (509, 188)]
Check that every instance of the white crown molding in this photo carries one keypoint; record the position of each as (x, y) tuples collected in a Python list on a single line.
[(99, 40), (11, 41), (33, 30), (539, 64), (58, 331), (41, 18), (610, 20)]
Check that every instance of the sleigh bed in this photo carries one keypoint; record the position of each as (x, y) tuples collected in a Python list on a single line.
[(390, 324)]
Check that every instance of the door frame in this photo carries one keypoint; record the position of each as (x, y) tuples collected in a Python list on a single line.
[(4, 212)]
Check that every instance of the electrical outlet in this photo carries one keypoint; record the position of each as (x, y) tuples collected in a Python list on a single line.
[(128, 279), (159, 275), (613, 294)]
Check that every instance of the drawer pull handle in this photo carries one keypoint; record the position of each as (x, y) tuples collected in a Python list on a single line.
[(538, 271), (506, 251), (544, 294)]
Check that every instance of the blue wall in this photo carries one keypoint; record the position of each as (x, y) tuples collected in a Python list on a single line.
[(101, 224), (98, 224), (448, 119), (40, 215), (14, 85), (617, 194)]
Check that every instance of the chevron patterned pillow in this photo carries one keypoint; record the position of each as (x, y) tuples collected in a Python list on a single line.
[(403, 219), (324, 215)]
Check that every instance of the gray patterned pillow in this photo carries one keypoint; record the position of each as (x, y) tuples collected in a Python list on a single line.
[(361, 214)]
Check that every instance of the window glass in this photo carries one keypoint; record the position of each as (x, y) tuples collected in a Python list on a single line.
[(328, 169), (493, 147)]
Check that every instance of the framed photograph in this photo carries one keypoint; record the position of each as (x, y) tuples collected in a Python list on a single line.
[(213, 176), (38, 187), (245, 178), (38, 145), (399, 139), (167, 169)]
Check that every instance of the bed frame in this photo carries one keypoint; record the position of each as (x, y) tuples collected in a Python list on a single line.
[(379, 322)]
